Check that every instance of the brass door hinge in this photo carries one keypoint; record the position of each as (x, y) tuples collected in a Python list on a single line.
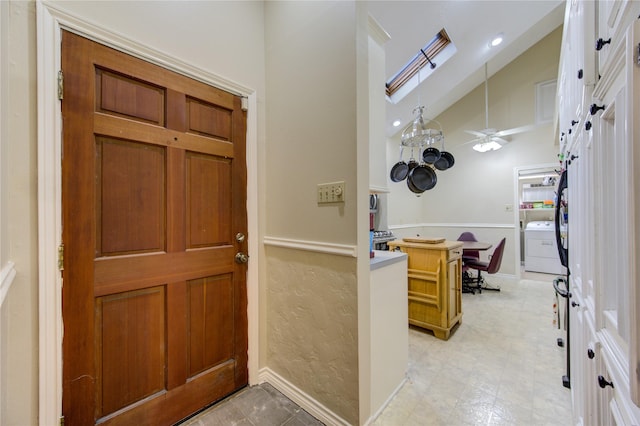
[(62, 421), (61, 257), (60, 85)]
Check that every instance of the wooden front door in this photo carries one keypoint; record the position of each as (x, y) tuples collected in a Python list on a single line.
[(154, 206)]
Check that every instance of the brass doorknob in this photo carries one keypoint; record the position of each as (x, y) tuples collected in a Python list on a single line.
[(242, 258)]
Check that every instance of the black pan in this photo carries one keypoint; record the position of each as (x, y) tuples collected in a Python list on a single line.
[(431, 155), (412, 164), (422, 178), (445, 161), (413, 188), (400, 170)]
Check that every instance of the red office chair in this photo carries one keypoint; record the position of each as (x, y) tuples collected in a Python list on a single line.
[(490, 267), (469, 254)]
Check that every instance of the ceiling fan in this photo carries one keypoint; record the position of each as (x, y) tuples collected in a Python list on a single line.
[(488, 138)]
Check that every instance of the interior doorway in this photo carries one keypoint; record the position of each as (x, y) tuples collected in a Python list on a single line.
[(534, 200)]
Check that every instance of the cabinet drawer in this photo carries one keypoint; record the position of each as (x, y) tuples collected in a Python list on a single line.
[(455, 253)]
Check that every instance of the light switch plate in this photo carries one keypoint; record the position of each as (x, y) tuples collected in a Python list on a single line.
[(331, 192)]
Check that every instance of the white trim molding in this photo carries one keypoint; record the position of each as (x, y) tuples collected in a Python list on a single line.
[(50, 20), (49, 217), (316, 246), (454, 225), (7, 274), (307, 402)]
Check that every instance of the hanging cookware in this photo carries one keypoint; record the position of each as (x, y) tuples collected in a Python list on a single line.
[(431, 155), (421, 179), (413, 188), (445, 161), (400, 170), (412, 162)]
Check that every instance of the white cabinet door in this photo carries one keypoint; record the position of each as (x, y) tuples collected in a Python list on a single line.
[(618, 215)]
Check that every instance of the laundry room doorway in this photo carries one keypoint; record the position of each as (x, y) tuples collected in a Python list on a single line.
[(534, 201)]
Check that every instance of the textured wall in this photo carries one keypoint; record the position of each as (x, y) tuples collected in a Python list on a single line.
[(312, 321)]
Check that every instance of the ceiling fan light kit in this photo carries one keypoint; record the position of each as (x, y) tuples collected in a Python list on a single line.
[(489, 139), (487, 146)]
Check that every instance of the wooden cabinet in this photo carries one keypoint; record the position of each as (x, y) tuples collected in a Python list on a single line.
[(434, 284)]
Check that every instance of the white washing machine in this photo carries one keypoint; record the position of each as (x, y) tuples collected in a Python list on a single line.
[(540, 248)]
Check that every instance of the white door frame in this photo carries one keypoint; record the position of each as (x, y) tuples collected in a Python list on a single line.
[(50, 22)]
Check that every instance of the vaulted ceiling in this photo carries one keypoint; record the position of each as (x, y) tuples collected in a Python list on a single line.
[(470, 25)]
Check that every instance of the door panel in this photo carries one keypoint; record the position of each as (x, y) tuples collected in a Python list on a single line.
[(210, 322), (154, 189), (130, 329), (208, 189), (130, 187)]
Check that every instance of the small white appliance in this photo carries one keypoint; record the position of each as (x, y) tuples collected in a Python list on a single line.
[(540, 248)]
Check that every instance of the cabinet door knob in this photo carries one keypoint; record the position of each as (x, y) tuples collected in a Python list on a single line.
[(574, 304), (601, 42), (587, 126), (591, 354), (602, 382), (595, 108)]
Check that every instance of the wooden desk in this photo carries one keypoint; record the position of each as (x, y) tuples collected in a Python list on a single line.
[(434, 284)]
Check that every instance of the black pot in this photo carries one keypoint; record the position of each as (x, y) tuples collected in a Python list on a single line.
[(431, 155), (421, 179), (445, 161), (399, 171), (413, 188)]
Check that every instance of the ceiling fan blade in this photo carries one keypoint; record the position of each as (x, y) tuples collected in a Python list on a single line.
[(501, 141), (474, 140), (515, 130), (476, 133)]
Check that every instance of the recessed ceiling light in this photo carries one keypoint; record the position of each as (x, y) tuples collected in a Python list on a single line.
[(396, 123), (496, 40)]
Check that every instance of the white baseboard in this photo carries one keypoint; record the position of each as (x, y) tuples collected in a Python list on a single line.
[(305, 401), (371, 419)]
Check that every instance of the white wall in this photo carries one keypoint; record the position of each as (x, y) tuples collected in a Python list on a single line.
[(310, 65), (473, 194), (312, 137), (19, 312)]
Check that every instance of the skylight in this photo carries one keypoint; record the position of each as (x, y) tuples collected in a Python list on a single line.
[(438, 50)]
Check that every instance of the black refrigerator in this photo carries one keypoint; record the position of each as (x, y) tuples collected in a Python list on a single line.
[(561, 283)]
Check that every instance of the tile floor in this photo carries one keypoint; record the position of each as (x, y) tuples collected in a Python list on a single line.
[(502, 366)]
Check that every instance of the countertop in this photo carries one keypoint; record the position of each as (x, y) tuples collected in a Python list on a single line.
[(384, 258), (445, 245)]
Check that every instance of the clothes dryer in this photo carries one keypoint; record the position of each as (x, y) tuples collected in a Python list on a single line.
[(540, 249)]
